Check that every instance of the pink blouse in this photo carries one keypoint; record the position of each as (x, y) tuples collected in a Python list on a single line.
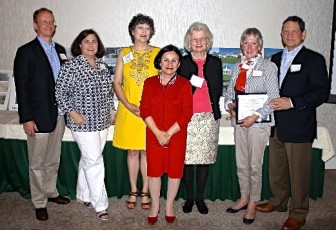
[(201, 99)]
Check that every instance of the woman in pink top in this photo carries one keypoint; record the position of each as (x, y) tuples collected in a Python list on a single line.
[(206, 75)]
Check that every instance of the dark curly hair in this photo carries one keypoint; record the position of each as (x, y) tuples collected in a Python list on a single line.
[(141, 19), (75, 47)]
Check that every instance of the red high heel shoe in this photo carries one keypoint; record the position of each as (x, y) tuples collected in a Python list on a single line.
[(170, 219), (152, 220)]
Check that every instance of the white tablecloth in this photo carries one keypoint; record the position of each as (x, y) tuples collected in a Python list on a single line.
[(11, 129)]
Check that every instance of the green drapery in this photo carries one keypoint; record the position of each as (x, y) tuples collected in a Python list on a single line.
[(222, 182)]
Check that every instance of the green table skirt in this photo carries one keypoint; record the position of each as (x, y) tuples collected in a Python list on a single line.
[(222, 182)]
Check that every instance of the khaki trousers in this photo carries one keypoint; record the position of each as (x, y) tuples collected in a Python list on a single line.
[(289, 175), (250, 146), (44, 150)]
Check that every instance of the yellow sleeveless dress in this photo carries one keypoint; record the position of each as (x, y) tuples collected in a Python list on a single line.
[(130, 130)]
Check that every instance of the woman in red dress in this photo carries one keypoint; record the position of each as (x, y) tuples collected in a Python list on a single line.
[(166, 108)]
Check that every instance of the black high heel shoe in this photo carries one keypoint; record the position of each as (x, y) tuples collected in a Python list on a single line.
[(232, 210), (248, 221)]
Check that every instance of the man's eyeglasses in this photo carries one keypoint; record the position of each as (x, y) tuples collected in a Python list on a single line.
[(46, 23)]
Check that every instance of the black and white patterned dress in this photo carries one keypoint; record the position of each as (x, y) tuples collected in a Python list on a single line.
[(86, 90)]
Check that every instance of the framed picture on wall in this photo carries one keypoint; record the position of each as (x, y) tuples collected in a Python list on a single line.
[(5, 76), (13, 105), (110, 58), (229, 57), (332, 65)]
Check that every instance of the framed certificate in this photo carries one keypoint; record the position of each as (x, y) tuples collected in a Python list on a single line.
[(247, 104), (13, 105), (5, 77)]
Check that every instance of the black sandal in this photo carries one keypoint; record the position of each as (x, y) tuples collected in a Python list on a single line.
[(88, 204), (103, 215)]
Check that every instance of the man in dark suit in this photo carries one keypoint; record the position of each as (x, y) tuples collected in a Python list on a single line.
[(304, 85), (36, 68)]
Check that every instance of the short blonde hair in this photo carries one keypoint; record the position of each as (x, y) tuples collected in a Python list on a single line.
[(252, 31), (198, 26)]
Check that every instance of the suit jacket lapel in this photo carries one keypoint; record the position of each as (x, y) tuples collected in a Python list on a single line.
[(44, 54), (60, 51), (298, 55)]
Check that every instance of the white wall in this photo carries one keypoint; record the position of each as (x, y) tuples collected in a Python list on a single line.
[(227, 19)]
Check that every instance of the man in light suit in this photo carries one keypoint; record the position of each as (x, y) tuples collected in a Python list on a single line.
[(304, 85), (36, 68)]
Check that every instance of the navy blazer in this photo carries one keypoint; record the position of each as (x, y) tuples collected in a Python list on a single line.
[(213, 75), (35, 85), (307, 87)]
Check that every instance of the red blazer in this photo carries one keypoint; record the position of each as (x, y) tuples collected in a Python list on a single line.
[(167, 105)]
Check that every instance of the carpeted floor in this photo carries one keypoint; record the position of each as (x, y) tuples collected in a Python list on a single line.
[(18, 213)]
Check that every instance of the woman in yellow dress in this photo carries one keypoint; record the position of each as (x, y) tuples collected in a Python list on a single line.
[(134, 65)]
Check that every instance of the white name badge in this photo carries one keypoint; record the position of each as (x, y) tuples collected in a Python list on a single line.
[(295, 67), (257, 73), (128, 57), (196, 81), (63, 57)]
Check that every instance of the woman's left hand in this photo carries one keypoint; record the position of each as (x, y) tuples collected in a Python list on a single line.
[(248, 121), (133, 109), (163, 138), (78, 118)]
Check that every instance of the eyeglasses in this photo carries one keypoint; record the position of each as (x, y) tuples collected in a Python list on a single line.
[(46, 23)]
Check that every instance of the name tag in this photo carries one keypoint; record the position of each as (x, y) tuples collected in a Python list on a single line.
[(295, 67), (196, 81), (128, 57), (257, 73), (63, 57)]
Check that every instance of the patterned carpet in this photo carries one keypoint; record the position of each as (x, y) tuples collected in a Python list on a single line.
[(18, 213)]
